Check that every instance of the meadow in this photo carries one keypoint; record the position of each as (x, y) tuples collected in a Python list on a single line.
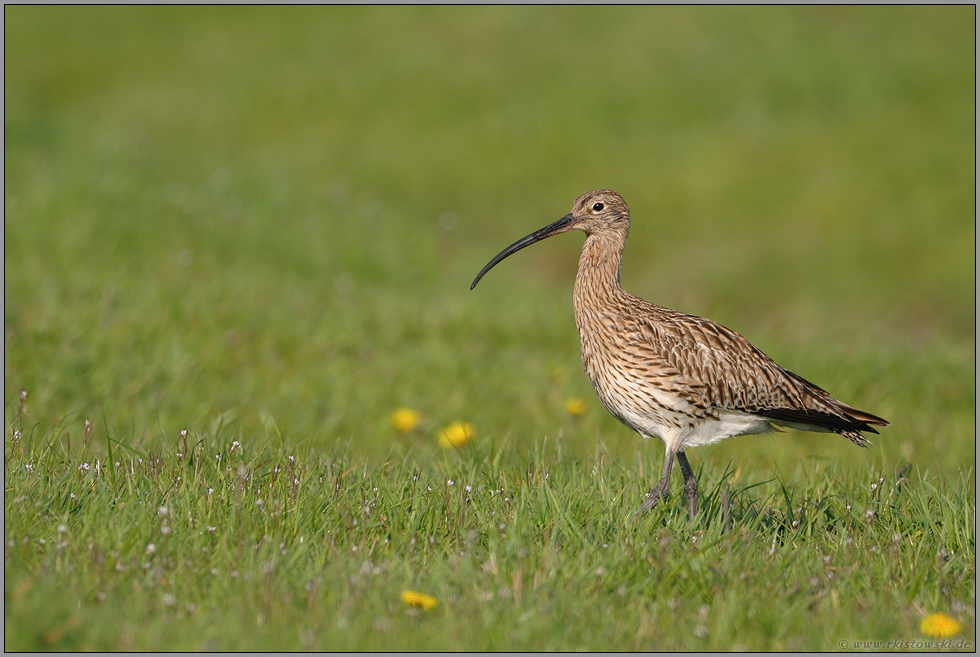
[(237, 240)]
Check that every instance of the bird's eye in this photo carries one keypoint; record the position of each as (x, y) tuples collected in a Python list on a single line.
[(598, 207)]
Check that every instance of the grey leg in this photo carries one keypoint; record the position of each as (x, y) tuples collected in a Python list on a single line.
[(690, 484), (662, 489)]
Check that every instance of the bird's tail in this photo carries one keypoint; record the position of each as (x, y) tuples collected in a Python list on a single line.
[(856, 437), (862, 416)]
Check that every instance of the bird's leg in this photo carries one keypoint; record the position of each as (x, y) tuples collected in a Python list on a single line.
[(662, 489), (690, 484)]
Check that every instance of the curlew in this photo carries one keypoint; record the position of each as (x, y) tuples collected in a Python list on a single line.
[(683, 379)]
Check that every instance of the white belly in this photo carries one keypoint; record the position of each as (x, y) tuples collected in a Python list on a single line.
[(705, 431), (728, 425), (656, 413)]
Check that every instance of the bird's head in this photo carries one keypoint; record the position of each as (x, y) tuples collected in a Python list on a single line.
[(598, 212)]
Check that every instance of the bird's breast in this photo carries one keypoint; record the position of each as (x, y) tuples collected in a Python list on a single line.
[(632, 387)]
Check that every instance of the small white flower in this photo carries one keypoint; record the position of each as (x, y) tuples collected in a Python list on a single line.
[(62, 529), (151, 548), (163, 511)]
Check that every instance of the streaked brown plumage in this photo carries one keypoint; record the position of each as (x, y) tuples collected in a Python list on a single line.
[(684, 379)]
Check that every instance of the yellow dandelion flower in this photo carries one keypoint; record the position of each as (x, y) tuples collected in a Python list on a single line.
[(404, 420), (456, 434), (575, 406), (416, 599), (940, 626)]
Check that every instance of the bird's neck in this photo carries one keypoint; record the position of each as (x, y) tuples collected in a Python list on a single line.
[(599, 266)]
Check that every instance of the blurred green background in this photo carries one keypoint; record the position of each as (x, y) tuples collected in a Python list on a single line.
[(270, 217)]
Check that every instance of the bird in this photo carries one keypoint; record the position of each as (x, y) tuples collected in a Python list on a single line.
[(686, 380)]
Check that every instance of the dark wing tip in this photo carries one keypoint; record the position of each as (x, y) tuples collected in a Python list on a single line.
[(862, 416), (838, 423)]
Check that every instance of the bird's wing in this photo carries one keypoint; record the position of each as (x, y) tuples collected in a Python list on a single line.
[(728, 372)]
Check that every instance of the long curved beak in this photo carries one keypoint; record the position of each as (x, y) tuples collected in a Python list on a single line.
[(560, 226)]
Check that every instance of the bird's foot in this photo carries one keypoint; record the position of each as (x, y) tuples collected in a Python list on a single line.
[(658, 492)]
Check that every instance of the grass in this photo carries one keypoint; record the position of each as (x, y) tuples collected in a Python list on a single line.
[(220, 545), (259, 225)]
